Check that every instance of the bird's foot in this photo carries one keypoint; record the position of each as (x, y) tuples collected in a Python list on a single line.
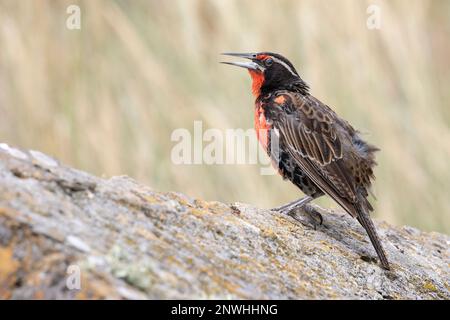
[(314, 214), (315, 218)]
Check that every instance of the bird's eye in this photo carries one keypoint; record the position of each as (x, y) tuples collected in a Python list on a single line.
[(268, 62)]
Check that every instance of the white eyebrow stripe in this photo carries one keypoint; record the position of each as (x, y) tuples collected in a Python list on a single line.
[(285, 65)]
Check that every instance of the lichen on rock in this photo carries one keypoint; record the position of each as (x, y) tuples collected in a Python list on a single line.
[(129, 241)]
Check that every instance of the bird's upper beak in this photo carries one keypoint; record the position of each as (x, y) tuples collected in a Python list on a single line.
[(251, 65)]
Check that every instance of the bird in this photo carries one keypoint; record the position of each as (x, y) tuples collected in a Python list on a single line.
[(309, 143)]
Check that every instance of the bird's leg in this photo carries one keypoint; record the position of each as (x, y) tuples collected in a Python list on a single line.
[(303, 204)]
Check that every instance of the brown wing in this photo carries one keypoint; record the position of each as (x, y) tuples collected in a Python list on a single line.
[(309, 132), (329, 151)]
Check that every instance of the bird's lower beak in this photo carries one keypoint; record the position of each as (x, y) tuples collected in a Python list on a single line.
[(248, 65)]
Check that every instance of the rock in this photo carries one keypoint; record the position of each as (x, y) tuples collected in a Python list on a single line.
[(66, 234)]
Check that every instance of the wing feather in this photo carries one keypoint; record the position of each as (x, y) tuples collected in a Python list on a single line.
[(310, 136)]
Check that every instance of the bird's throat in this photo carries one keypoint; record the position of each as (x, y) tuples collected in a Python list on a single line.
[(257, 82)]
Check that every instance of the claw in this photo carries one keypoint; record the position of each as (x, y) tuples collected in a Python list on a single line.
[(314, 215)]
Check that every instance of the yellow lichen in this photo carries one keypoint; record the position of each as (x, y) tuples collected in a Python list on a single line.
[(146, 234), (151, 199), (429, 286), (8, 265), (198, 212)]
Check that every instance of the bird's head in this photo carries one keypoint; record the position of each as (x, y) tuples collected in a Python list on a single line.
[(269, 71)]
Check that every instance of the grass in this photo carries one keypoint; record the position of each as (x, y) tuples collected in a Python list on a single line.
[(106, 98)]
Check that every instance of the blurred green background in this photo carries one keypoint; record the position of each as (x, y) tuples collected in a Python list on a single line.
[(106, 98)]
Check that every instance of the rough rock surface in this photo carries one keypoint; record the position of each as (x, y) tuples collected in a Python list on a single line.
[(127, 241)]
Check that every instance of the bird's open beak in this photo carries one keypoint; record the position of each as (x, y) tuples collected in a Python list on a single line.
[(248, 65)]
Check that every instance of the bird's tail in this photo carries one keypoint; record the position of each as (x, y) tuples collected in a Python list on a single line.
[(365, 220)]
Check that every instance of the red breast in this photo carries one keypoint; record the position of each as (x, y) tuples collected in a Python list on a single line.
[(262, 127)]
